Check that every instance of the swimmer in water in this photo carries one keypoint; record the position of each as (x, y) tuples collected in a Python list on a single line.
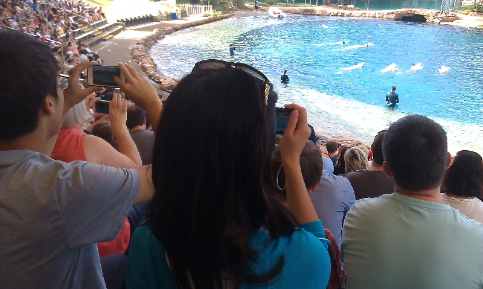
[(392, 98)]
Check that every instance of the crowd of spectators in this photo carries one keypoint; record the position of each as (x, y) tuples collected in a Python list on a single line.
[(54, 22), (230, 210)]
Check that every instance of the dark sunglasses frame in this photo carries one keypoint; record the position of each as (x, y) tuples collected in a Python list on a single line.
[(215, 64)]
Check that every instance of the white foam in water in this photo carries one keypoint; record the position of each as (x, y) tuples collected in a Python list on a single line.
[(336, 115)]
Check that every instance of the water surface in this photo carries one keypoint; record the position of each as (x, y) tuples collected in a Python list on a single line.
[(350, 102)]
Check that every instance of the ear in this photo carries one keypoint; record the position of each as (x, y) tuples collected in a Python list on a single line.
[(386, 169), (144, 122), (312, 187), (449, 160), (48, 104)]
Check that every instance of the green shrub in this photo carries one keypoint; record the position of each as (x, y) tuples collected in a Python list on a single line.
[(270, 2), (478, 7)]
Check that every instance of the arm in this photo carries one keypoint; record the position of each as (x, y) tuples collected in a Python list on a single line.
[(291, 145), (72, 96), (146, 188), (98, 151), (91, 126), (118, 117), (140, 91)]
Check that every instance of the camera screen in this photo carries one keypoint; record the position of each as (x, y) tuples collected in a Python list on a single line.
[(282, 114), (102, 106), (104, 75)]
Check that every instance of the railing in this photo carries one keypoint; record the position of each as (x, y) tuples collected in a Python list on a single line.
[(193, 9)]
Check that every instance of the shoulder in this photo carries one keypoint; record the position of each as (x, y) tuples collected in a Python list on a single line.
[(371, 206), (147, 266), (307, 262)]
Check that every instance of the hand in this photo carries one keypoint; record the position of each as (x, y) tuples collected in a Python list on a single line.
[(74, 94), (136, 87), (118, 111), (295, 136), (90, 100)]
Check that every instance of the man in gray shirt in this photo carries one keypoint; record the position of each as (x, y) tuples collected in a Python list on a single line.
[(411, 239), (52, 213), (144, 139)]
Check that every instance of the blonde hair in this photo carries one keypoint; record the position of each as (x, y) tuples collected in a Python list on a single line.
[(78, 114), (355, 159)]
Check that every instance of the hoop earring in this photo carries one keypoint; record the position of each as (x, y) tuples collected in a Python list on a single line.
[(278, 173)]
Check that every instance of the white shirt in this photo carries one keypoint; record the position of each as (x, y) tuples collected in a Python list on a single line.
[(472, 208)]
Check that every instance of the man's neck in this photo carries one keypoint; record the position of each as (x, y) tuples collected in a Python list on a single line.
[(332, 153), (375, 167), (137, 127), (32, 141), (431, 195)]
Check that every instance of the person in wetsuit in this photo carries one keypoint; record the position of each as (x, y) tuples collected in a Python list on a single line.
[(392, 98), (284, 77)]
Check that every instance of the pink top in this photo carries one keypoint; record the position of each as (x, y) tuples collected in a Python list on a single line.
[(68, 147)]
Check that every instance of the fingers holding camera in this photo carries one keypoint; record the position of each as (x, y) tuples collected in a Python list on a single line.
[(136, 87), (118, 112), (74, 94), (90, 100), (296, 134), (140, 91)]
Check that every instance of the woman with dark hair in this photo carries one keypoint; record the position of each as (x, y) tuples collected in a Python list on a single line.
[(213, 221), (463, 184)]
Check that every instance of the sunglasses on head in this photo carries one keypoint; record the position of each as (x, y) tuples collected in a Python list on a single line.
[(218, 64)]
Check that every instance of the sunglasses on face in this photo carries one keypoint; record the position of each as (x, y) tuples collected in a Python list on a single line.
[(218, 64)]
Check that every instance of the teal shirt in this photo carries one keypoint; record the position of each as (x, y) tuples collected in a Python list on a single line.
[(307, 263), (396, 242)]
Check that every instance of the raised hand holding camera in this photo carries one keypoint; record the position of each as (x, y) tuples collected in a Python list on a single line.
[(140, 91)]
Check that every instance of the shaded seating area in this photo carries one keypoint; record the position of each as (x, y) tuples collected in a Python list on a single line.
[(133, 21)]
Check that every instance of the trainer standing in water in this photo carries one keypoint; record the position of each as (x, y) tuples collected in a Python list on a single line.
[(392, 98), (232, 49), (284, 77)]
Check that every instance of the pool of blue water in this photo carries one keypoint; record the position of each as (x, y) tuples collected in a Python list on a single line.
[(385, 4), (393, 4), (342, 100)]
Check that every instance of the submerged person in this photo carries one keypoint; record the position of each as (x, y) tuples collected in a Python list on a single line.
[(392, 98), (232, 49), (225, 229), (284, 77)]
